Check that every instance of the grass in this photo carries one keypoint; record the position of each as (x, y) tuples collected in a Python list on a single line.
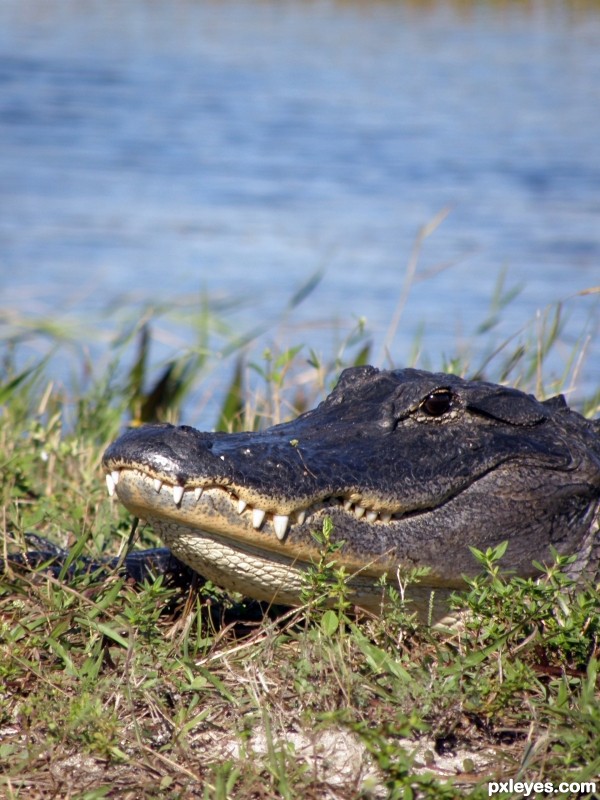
[(107, 690)]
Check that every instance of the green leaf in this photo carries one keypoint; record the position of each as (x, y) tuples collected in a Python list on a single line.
[(111, 633), (379, 660), (330, 622), (219, 685)]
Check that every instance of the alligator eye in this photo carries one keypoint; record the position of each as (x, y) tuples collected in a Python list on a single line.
[(437, 403)]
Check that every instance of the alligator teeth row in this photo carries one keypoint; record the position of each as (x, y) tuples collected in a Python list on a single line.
[(280, 521), (370, 515)]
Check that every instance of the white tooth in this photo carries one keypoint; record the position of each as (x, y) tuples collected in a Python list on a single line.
[(110, 485), (115, 476), (258, 516), (280, 523), (178, 494), (385, 517), (157, 483), (241, 506), (301, 517), (372, 516), (198, 493), (359, 511), (348, 505)]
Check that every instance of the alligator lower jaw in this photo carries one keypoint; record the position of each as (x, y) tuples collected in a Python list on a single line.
[(275, 578)]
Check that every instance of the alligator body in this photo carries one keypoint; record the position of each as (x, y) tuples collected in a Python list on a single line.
[(136, 567), (412, 468)]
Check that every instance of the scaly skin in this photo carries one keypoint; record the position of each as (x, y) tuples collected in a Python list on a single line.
[(412, 467)]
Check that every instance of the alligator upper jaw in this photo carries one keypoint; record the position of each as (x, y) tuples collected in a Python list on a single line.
[(281, 521)]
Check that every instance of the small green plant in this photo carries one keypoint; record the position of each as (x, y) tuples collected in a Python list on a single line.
[(326, 591), (548, 614)]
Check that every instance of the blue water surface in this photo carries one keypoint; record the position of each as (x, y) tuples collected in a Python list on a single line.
[(152, 152)]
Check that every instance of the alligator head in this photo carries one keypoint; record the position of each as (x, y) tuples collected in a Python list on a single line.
[(412, 468)]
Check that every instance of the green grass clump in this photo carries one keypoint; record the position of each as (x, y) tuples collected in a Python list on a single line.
[(109, 690)]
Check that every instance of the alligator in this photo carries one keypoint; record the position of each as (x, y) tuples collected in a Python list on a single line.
[(413, 469), (135, 566)]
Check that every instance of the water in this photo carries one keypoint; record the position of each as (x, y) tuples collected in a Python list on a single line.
[(152, 151)]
